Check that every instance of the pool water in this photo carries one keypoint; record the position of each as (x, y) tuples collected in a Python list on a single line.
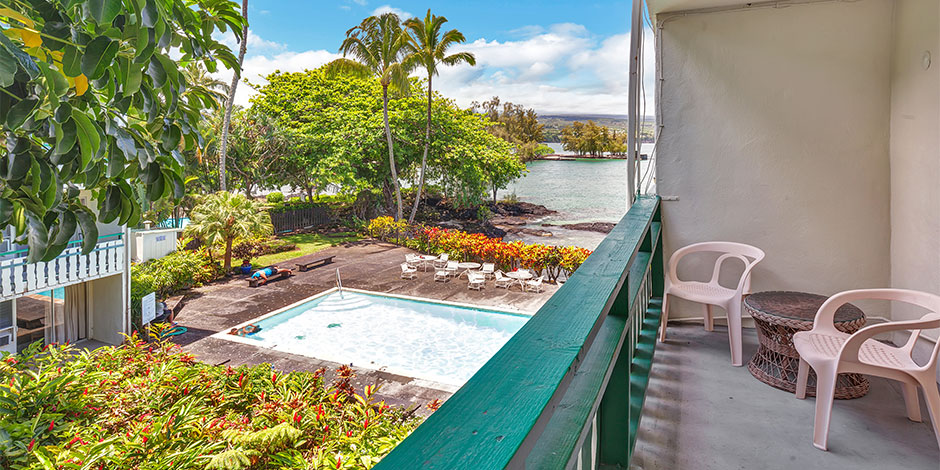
[(428, 340)]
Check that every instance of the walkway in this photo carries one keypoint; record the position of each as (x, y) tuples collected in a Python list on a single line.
[(701, 414)]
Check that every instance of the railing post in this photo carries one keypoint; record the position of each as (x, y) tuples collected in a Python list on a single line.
[(613, 420)]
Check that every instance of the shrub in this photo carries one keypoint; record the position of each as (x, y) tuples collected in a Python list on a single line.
[(166, 276), (275, 197), (250, 249), (148, 406)]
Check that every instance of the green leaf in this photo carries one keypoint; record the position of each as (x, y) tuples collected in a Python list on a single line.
[(66, 228), (149, 15), (132, 80), (37, 238), (72, 61), (88, 137), (89, 230), (6, 212), (116, 161), (63, 113), (23, 59), (156, 73), (7, 68), (19, 165), (103, 11), (66, 135), (19, 112), (99, 53), (56, 83)]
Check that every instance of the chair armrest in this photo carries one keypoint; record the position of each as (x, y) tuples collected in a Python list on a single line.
[(854, 343)]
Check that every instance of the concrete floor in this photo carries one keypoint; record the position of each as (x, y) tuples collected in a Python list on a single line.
[(701, 413), (367, 265)]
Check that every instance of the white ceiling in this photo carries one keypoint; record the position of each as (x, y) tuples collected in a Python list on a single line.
[(663, 6)]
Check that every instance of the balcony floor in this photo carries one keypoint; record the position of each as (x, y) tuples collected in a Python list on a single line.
[(701, 413)]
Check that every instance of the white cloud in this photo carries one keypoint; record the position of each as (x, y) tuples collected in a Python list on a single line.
[(255, 42), (390, 9), (360, 2)]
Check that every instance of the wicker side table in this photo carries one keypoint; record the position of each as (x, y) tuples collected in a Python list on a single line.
[(780, 314)]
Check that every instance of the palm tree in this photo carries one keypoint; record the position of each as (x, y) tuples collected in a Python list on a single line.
[(380, 49), (429, 48), (224, 217), (236, 75), (200, 82)]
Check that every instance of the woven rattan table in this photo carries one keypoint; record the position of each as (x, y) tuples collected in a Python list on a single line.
[(780, 314)]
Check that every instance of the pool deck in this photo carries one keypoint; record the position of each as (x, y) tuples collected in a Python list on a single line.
[(367, 265)]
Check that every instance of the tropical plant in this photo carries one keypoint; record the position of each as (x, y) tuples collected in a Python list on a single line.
[(379, 46), (230, 102), (256, 147), (429, 49), (90, 98), (513, 123), (150, 406), (223, 218), (203, 84)]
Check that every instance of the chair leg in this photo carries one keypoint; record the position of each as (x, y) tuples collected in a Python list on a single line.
[(709, 319), (664, 319), (734, 333), (932, 396), (825, 392), (802, 376), (911, 401)]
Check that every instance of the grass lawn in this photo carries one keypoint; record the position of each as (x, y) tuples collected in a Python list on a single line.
[(307, 243)]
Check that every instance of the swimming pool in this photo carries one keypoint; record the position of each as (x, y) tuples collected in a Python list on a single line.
[(439, 342)]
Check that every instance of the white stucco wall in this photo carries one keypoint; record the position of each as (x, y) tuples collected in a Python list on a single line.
[(106, 310), (915, 151), (775, 133)]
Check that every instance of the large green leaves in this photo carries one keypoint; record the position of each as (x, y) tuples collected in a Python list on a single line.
[(93, 104)]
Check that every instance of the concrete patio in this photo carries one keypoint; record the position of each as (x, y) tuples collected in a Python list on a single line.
[(367, 265), (701, 413)]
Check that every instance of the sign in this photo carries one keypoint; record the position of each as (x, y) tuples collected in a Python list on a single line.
[(148, 308)]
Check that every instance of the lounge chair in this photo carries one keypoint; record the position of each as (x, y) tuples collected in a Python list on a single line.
[(488, 269), (441, 275), (408, 272), (451, 268), (441, 261), (477, 280), (503, 281), (534, 285)]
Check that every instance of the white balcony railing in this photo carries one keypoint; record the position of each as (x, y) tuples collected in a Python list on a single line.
[(18, 278)]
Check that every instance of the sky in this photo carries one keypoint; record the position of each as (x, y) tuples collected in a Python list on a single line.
[(558, 57)]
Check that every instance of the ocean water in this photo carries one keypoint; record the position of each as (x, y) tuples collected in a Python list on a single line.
[(580, 190), (428, 340)]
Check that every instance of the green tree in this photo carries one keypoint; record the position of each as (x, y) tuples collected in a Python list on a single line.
[(379, 46), (257, 146), (429, 49), (514, 123), (90, 98), (230, 103), (204, 86), (224, 217)]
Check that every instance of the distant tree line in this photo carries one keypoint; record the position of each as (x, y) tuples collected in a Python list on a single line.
[(515, 124), (591, 139)]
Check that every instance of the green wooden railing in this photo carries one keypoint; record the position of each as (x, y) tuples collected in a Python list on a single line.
[(568, 389)]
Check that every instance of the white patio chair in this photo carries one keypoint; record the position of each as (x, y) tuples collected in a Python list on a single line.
[(831, 352), (441, 275), (488, 269), (408, 272), (503, 281), (534, 285), (441, 261), (413, 260), (711, 292), (476, 281), (451, 268)]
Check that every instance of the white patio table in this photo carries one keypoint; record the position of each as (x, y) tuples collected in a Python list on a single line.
[(467, 267), (520, 276), (426, 260)]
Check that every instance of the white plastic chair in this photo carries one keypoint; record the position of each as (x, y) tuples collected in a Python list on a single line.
[(413, 261), (534, 284), (831, 352), (711, 292), (503, 281), (488, 269), (451, 268), (476, 281), (441, 275), (408, 272), (441, 261)]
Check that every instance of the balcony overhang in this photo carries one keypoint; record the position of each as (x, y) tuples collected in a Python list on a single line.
[(657, 7)]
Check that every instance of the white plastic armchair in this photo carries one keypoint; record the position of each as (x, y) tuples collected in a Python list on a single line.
[(831, 352), (441, 261), (711, 292)]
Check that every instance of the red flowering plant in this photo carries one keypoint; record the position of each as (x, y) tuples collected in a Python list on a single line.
[(151, 406), (543, 259)]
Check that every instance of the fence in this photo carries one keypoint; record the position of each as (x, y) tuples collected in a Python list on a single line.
[(298, 219), (567, 390)]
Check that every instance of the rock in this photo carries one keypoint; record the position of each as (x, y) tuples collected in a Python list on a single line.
[(530, 231), (601, 227), (508, 220)]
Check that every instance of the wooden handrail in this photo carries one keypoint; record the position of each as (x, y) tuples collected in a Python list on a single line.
[(584, 355)]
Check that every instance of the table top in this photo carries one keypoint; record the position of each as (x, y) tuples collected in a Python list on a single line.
[(797, 306), (519, 274), (468, 265), (427, 257)]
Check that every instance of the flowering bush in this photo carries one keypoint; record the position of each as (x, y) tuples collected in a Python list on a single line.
[(148, 406), (545, 259)]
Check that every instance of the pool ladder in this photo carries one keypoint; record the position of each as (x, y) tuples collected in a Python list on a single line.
[(339, 283)]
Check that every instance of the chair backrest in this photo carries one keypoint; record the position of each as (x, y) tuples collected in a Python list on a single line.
[(411, 257), (926, 300), (444, 257), (405, 267), (452, 264), (499, 275), (747, 254), (488, 267)]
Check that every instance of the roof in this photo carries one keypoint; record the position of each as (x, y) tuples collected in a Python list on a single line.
[(665, 6)]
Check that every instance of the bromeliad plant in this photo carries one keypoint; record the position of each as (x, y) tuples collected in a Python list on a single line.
[(149, 406)]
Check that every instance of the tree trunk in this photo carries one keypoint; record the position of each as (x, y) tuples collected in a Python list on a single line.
[(227, 265), (391, 153), (309, 190), (424, 158), (227, 119)]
